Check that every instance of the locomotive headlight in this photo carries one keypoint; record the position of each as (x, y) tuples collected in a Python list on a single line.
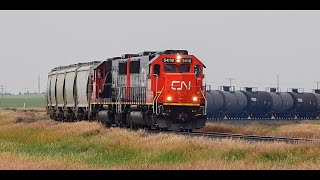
[(178, 58), (195, 99), (169, 98)]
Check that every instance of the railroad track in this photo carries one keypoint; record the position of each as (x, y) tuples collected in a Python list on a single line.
[(247, 137), (260, 121), (210, 119), (217, 135), (24, 110)]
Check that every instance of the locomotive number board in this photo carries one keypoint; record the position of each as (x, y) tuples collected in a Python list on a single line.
[(168, 60), (172, 60), (186, 60)]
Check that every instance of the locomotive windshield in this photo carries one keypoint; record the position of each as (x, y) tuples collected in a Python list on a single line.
[(173, 68), (184, 68), (170, 68)]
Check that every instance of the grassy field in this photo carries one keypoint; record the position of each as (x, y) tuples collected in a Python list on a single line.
[(28, 140), (15, 101)]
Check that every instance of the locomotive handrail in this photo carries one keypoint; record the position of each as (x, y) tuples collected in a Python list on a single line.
[(117, 100), (153, 102), (120, 91), (205, 104), (156, 81), (157, 101)]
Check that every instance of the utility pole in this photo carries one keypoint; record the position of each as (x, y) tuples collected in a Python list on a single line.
[(26, 98), (230, 79), (278, 82), (38, 83), (2, 91), (317, 84)]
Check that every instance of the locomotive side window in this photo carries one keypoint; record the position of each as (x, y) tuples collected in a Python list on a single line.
[(184, 68), (156, 69), (123, 68), (170, 68), (135, 67), (197, 70), (99, 74)]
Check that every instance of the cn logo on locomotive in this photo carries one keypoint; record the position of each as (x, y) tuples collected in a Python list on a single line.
[(180, 85)]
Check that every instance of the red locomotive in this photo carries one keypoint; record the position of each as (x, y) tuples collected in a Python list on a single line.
[(163, 90)]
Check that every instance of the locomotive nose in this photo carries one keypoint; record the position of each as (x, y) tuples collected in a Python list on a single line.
[(180, 89)]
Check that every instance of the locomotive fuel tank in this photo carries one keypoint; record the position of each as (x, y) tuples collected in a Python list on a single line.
[(141, 118), (105, 116)]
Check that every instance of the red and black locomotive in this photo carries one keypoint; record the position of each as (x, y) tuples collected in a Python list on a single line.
[(163, 90)]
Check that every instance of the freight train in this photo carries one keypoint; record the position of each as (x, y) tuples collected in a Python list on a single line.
[(152, 89), (248, 102)]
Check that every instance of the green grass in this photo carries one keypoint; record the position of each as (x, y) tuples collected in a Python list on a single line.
[(235, 154), (18, 101)]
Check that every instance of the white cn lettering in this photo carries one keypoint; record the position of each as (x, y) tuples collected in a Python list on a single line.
[(181, 84)]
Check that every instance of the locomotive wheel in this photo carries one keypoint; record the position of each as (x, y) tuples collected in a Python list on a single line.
[(68, 119), (54, 117), (60, 117), (72, 118)]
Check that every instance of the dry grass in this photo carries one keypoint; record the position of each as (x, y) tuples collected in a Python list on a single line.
[(37, 143), (307, 129), (19, 162)]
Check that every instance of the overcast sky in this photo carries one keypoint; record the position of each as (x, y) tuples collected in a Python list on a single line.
[(250, 46)]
